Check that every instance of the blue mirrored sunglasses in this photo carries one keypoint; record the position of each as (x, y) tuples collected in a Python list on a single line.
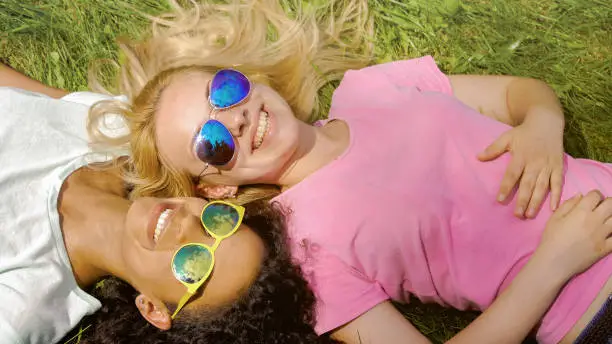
[(214, 143)]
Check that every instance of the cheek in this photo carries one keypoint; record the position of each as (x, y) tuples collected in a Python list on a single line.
[(136, 213), (243, 252), (150, 272), (263, 168)]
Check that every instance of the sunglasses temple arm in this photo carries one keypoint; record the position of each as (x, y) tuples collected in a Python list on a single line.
[(181, 304), (203, 170)]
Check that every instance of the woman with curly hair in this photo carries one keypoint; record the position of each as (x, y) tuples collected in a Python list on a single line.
[(277, 308), (388, 198)]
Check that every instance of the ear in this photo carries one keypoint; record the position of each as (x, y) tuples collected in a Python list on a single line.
[(154, 312), (216, 191)]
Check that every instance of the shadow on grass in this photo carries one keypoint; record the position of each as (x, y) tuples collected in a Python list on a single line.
[(438, 323), (575, 142)]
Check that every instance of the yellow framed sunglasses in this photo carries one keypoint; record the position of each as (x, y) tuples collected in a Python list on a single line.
[(193, 263)]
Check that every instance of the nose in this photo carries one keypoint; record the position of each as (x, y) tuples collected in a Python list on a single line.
[(192, 231), (183, 227), (235, 119)]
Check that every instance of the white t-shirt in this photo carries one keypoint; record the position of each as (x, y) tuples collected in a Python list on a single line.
[(42, 141)]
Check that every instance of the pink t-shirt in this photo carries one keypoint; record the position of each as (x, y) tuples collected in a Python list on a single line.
[(407, 209)]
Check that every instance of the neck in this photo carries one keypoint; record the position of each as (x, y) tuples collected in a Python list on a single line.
[(319, 147), (93, 209)]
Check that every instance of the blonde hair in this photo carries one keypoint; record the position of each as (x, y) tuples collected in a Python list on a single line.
[(295, 50)]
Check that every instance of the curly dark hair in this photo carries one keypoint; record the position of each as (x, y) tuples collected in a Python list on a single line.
[(277, 308)]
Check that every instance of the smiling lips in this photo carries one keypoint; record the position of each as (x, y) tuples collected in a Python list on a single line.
[(162, 223)]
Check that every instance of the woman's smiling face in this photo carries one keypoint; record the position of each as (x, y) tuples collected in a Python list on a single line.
[(265, 131), (156, 228)]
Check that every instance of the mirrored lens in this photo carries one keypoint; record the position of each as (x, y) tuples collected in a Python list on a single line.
[(220, 219), (192, 263), (214, 143), (228, 88)]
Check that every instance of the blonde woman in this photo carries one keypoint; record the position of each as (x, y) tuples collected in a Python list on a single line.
[(386, 198)]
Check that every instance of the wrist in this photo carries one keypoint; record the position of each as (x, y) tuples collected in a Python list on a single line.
[(549, 268), (546, 118)]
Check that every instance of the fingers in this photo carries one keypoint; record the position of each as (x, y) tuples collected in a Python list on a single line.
[(567, 206), (604, 211), (556, 185), (590, 201), (608, 228), (511, 176), (525, 191), (608, 245), (539, 193), (495, 149)]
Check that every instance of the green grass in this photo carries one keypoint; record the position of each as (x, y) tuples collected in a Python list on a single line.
[(564, 42)]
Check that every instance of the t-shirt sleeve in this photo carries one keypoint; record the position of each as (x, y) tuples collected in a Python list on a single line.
[(421, 73), (342, 292)]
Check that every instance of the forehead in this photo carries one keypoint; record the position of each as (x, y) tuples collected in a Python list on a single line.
[(182, 108), (184, 92)]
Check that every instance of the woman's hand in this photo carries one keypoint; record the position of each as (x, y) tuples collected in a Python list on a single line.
[(536, 165), (578, 234), (535, 142)]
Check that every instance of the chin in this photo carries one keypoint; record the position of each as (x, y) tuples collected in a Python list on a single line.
[(136, 215)]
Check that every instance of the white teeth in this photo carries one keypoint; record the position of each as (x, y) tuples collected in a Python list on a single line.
[(161, 223), (261, 129)]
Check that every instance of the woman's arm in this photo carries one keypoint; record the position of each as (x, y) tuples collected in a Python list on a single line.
[(11, 78), (509, 99), (382, 324), (524, 302), (576, 236)]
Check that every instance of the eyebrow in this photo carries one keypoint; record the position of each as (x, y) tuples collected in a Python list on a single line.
[(192, 142)]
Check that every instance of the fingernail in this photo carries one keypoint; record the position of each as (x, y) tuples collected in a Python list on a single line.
[(501, 197), (530, 213), (520, 211)]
